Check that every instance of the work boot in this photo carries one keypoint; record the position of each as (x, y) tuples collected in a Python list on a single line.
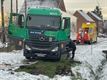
[(68, 56), (72, 58)]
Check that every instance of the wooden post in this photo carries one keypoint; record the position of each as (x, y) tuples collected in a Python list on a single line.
[(16, 6), (25, 12), (25, 7), (11, 6)]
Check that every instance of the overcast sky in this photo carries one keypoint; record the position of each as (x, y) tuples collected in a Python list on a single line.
[(72, 5), (85, 4)]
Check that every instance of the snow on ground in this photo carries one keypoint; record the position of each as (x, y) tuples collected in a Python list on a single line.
[(91, 57), (20, 76), (26, 76), (12, 58), (104, 73), (1, 44)]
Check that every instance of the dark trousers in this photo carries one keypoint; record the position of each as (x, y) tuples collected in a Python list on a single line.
[(71, 47)]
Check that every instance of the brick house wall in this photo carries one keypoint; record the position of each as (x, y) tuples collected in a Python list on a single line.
[(98, 21)]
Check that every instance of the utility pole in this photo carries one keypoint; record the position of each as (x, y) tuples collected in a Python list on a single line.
[(11, 6), (11, 9), (25, 12), (2, 15), (16, 6), (25, 7)]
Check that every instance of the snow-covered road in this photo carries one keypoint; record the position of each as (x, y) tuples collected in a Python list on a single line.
[(91, 57)]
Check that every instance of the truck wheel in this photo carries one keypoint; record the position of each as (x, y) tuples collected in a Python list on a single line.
[(25, 55), (29, 58), (58, 58)]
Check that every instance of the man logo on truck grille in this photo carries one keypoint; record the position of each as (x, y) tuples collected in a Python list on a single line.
[(42, 38)]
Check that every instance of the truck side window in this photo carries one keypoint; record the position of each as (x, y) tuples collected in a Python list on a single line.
[(66, 23), (20, 21), (29, 18), (63, 23)]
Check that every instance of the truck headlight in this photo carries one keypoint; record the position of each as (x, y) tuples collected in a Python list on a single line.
[(27, 47), (55, 49)]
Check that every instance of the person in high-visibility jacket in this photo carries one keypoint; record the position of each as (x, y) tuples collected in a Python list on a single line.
[(86, 36), (80, 37)]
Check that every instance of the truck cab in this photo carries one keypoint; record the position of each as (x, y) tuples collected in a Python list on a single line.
[(43, 31)]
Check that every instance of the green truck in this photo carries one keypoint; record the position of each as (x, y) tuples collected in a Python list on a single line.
[(43, 32)]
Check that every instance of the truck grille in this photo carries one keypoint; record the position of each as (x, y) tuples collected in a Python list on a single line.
[(39, 44), (38, 40)]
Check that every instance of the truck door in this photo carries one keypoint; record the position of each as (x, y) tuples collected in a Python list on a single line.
[(16, 28)]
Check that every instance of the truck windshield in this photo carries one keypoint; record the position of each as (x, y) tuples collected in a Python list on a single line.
[(46, 22)]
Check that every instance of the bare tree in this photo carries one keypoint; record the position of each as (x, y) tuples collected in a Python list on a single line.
[(98, 12), (3, 28)]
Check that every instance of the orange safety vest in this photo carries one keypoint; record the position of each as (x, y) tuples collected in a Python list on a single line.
[(79, 36), (86, 36)]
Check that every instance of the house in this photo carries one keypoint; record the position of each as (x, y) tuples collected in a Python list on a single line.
[(105, 27), (98, 21), (82, 17), (61, 5), (43, 3)]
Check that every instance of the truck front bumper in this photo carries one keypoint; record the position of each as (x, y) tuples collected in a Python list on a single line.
[(38, 53)]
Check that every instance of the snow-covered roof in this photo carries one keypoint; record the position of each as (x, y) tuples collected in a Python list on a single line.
[(94, 15), (83, 14)]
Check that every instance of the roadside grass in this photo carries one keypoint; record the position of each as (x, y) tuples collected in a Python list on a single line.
[(7, 49), (10, 48), (50, 68)]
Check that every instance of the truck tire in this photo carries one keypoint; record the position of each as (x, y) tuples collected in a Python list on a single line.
[(28, 58)]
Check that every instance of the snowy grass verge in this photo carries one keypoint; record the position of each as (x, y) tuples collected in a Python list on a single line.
[(50, 68), (13, 58), (91, 57)]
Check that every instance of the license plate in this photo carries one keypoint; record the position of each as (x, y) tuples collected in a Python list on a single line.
[(40, 55)]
